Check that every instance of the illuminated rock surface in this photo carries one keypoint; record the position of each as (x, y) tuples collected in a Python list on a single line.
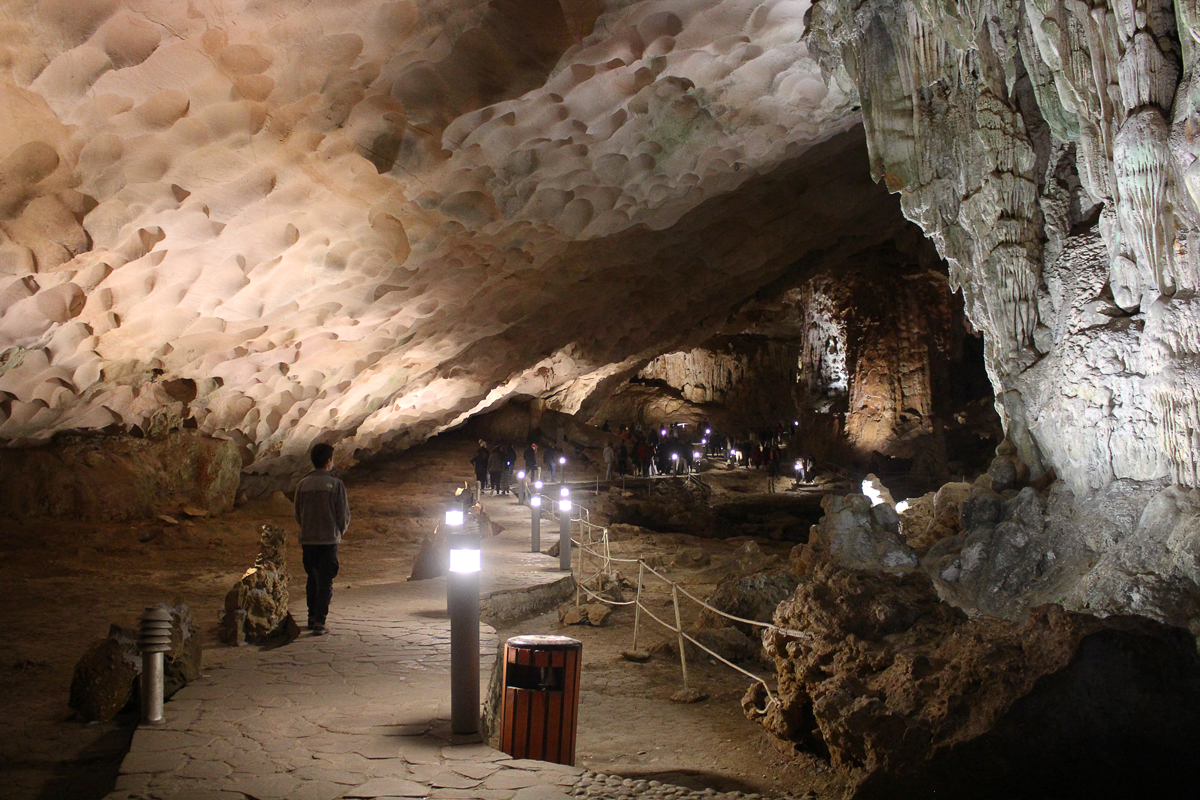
[(364, 221)]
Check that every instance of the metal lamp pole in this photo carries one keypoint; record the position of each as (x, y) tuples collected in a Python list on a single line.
[(535, 507), (462, 600), (564, 529)]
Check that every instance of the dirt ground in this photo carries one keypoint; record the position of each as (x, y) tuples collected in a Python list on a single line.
[(63, 583)]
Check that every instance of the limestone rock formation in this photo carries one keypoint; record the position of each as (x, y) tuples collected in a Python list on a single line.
[(906, 696), (854, 534), (1066, 214), (933, 517), (873, 360), (256, 608), (109, 478)]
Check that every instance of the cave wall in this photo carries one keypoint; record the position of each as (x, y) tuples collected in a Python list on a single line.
[(1047, 149)]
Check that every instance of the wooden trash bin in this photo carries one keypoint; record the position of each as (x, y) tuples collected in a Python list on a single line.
[(541, 698)]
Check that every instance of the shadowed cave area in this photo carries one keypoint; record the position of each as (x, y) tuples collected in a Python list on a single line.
[(871, 324)]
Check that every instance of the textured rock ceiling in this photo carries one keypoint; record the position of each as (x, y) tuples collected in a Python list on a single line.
[(368, 220)]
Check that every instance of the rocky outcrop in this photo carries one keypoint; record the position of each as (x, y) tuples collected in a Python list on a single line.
[(854, 534), (906, 696), (256, 608), (110, 478)]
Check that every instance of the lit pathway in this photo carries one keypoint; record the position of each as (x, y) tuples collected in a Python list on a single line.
[(362, 712)]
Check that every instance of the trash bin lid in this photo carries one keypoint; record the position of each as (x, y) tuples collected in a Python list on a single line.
[(545, 642)]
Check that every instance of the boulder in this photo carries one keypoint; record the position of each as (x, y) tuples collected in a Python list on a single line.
[(256, 608), (905, 696), (593, 614), (103, 681)]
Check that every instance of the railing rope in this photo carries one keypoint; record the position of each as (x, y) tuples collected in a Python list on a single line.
[(601, 552)]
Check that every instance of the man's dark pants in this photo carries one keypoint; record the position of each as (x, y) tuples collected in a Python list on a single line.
[(321, 566)]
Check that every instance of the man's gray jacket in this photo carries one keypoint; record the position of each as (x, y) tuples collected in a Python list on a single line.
[(321, 508)]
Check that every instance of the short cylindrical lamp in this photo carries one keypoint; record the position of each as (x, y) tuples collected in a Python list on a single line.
[(462, 600), (154, 639)]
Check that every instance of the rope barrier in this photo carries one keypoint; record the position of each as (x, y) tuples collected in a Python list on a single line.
[(586, 547)]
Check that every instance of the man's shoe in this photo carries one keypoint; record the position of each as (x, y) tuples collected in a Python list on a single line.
[(319, 630), (310, 625)]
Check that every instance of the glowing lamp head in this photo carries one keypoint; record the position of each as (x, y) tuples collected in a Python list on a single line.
[(663, 432), (696, 454), (707, 431), (564, 492), (674, 456), (521, 475), (562, 459), (462, 560), (535, 501), (538, 485), (704, 440), (564, 504), (454, 517)]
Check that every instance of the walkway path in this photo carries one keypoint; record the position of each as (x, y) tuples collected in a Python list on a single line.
[(362, 712)]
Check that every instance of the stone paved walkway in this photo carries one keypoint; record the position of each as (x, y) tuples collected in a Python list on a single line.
[(362, 712)]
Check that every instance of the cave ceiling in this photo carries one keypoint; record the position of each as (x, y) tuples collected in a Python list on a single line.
[(366, 221)]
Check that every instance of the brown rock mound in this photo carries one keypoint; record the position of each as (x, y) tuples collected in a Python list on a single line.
[(907, 697)]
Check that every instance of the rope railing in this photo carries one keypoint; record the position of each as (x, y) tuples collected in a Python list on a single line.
[(587, 546)]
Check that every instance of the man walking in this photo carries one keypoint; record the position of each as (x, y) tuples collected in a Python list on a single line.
[(323, 513)]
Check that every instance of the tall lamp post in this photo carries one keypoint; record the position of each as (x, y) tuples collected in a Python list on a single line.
[(462, 600), (564, 529), (535, 507)]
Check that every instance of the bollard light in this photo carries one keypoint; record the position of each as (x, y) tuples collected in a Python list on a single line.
[(564, 492), (538, 485), (462, 601), (707, 431), (562, 459), (154, 639), (663, 432), (674, 456), (535, 523), (696, 454), (465, 559), (564, 530)]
